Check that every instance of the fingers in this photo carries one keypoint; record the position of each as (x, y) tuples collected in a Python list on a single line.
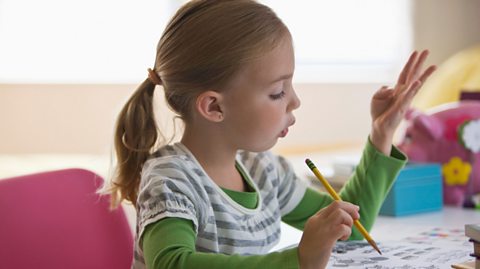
[(412, 69), (427, 73), (322, 231), (415, 86), (418, 66), (350, 208), (345, 231), (409, 82), (340, 212), (413, 90), (340, 205), (345, 223), (402, 79), (400, 106), (383, 93)]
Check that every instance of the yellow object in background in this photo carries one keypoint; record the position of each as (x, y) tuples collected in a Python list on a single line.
[(461, 72), (456, 172)]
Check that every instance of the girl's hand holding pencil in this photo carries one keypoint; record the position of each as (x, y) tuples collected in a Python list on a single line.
[(389, 105), (337, 197), (322, 230)]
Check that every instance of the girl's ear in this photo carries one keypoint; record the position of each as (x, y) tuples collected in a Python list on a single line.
[(208, 105)]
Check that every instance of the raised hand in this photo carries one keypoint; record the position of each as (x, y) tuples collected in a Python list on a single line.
[(389, 105), (322, 230)]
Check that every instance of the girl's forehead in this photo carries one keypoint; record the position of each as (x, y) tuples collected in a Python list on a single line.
[(273, 64), (264, 70)]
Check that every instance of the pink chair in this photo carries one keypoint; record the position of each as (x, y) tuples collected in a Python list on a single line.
[(56, 220)]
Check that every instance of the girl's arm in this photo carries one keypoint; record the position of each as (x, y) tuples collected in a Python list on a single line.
[(376, 172), (371, 182), (170, 243), (367, 188)]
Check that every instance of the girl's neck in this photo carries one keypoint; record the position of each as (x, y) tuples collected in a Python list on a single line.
[(215, 157)]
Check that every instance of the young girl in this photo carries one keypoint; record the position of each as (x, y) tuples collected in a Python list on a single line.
[(216, 198)]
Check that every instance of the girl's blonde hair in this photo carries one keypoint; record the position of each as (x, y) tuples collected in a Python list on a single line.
[(203, 46)]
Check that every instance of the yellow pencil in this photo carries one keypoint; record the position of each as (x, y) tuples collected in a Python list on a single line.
[(337, 197)]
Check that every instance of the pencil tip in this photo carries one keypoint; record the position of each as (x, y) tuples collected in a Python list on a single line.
[(374, 245)]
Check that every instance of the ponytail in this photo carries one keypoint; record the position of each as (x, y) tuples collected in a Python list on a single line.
[(136, 134)]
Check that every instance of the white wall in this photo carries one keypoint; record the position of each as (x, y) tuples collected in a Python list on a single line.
[(445, 26), (80, 118)]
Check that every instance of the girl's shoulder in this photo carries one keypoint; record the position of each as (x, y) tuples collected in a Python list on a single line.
[(170, 151), (170, 160)]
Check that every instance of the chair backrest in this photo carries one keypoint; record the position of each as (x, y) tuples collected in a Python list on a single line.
[(57, 220)]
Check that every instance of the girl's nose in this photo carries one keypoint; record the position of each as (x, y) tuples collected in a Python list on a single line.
[(294, 101)]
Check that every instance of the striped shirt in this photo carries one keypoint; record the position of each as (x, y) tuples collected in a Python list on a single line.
[(173, 184)]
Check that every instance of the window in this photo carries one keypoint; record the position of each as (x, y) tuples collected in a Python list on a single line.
[(114, 41), (80, 41), (347, 40)]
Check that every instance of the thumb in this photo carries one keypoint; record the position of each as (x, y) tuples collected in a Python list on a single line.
[(383, 93)]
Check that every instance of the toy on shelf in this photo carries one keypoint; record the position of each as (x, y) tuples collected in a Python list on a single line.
[(448, 134)]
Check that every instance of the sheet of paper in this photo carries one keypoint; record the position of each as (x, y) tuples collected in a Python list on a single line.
[(434, 249)]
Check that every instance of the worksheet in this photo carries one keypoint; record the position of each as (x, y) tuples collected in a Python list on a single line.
[(434, 249)]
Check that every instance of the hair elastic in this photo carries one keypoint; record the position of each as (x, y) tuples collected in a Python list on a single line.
[(153, 77)]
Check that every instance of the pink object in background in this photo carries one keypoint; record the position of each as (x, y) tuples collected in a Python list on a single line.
[(57, 220), (436, 137)]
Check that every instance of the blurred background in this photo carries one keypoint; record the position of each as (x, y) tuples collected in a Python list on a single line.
[(67, 67)]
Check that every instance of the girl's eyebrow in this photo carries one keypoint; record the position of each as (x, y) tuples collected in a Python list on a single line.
[(287, 76)]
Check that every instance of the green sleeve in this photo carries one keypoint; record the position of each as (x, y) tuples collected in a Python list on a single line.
[(367, 187), (170, 243), (311, 202)]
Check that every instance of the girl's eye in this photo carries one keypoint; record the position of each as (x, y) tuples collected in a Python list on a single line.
[(277, 96)]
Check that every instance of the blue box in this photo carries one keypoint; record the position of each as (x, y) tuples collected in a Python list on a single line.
[(417, 189)]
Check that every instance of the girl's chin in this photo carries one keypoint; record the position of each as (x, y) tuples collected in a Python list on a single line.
[(264, 147)]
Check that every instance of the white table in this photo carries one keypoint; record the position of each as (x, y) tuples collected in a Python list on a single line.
[(396, 228), (388, 228)]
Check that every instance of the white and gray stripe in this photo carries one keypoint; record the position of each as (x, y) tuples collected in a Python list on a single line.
[(175, 185)]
